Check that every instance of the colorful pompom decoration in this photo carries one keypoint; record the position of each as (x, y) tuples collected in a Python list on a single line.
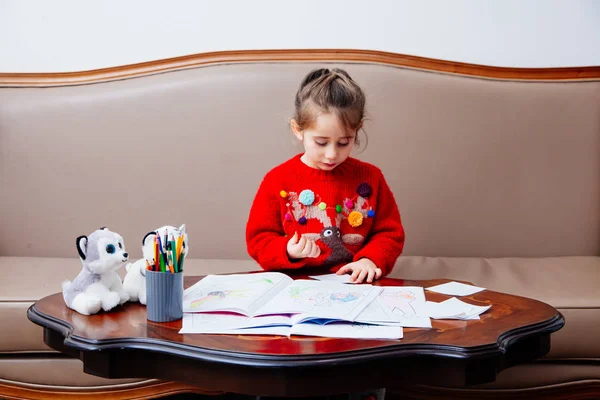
[(371, 213), (288, 216), (322, 205), (283, 194), (349, 204), (355, 219), (307, 197), (338, 208), (364, 190), (302, 220)]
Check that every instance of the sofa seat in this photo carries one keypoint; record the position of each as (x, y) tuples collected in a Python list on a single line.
[(567, 283), (570, 284)]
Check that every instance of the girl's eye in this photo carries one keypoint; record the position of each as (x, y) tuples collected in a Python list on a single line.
[(110, 249), (344, 144), (321, 143)]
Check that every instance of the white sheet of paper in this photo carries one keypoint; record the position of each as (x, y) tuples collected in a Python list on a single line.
[(454, 309), (455, 289), (348, 330), (345, 278)]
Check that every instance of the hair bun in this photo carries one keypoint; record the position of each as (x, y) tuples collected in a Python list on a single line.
[(314, 75), (340, 73)]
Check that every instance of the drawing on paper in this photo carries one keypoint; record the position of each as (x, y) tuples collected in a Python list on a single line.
[(399, 302), (217, 295), (318, 298), (344, 297)]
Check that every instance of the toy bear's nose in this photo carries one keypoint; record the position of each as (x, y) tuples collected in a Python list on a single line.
[(125, 255)]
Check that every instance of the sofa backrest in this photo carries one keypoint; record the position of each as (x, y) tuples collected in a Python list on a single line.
[(479, 167)]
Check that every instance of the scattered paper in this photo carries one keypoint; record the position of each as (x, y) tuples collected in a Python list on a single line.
[(454, 309), (455, 289)]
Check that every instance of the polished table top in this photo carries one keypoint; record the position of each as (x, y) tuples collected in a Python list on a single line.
[(122, 343)]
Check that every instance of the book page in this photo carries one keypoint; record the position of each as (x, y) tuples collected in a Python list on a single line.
[(240, 293), (321, 299), (223, 323), (348, 330)]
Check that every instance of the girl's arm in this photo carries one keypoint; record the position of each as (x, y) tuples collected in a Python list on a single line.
[(385, 240), (265, 236)]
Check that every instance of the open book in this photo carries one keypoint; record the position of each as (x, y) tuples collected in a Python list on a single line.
[(233, 324), (270, 299), (277, 295)]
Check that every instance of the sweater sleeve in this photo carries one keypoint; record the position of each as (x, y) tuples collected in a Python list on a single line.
[(385, 240), (265, 236)]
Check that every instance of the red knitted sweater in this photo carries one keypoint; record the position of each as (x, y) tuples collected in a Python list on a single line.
[(349, 211)]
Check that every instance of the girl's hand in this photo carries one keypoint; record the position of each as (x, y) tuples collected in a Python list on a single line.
[(302, 248), (361, 269)]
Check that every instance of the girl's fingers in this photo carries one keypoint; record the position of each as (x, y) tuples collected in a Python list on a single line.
[(311, 244), (343, 270), (370, 275), (354, 276), (378, 273), (307, 248), (362, 275), (302, 242), (316, 250)]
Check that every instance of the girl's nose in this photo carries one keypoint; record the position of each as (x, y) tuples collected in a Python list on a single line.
[(330, 154)]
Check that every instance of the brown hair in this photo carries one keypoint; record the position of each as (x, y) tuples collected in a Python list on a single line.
[(324, 90)]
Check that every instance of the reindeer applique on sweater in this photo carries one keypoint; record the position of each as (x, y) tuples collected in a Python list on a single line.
[(308, 206)]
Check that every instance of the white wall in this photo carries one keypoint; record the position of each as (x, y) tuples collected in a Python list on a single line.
[(75, 35)]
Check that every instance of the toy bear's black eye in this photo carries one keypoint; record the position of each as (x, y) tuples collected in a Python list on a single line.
[(110, 249), (120, 245)]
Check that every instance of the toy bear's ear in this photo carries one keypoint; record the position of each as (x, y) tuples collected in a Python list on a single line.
[(82, 246), (153, 234), (103, 229)]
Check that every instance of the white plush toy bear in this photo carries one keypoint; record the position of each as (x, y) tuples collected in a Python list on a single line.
[(135, 280), (98, 286)]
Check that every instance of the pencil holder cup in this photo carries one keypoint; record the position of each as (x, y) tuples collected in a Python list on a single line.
[(164, 296)]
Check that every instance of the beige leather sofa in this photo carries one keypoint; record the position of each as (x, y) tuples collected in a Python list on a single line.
[(497, 180)]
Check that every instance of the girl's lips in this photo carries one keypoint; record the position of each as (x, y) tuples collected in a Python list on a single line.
[(330, 165)]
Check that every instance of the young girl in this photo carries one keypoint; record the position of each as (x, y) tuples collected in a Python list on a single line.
[(323, 207)]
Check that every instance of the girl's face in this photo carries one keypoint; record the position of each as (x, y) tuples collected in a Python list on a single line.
[(327, 143)]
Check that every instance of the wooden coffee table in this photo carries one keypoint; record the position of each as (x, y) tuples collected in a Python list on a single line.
[(124, 344)]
